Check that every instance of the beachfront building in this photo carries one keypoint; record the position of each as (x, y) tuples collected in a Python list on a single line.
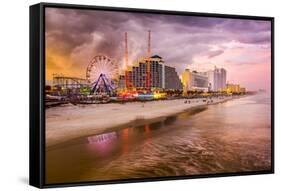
[(186, 79), (161, 75), (194, 81), (242, 90), (217, 79), (172, 80), (199, 81), (233, 88), (128, 79)]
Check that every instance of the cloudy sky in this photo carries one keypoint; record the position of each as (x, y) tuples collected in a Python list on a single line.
[(242, 47)]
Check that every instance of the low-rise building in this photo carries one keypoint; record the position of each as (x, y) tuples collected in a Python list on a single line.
[(234, 88), (194, 81)]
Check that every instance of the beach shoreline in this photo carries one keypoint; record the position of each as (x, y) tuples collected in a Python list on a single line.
[(69, 122)]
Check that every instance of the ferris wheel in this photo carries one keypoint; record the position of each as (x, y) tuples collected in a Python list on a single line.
[(101, 65)]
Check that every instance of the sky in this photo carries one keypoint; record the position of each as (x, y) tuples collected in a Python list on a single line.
[(242, 47)]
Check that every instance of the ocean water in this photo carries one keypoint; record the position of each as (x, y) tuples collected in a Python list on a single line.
[(234, 136)]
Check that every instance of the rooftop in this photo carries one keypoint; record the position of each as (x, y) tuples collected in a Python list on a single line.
[(156, 56)]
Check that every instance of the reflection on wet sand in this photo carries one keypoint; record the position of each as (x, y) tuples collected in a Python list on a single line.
[(228, 137)]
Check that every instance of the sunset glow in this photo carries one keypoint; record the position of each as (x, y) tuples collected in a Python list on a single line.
[(242, 47)]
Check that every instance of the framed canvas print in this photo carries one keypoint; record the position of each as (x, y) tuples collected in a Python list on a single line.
[(127, 95)]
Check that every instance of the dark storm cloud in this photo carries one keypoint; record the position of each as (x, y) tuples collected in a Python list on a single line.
[(72, 28), (257, 38), (248, 31), (239, 25)]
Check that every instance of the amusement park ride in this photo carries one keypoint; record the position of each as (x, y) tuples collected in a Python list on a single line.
[(101, 73)]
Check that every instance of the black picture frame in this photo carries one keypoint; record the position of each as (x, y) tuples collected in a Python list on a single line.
[(37, 84)]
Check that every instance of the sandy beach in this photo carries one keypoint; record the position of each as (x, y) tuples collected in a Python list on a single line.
[(68, 122)]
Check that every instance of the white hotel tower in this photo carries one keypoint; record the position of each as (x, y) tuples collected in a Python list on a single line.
[(217, 79)]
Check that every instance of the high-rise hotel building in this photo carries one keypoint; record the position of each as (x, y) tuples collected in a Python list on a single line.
[(161, 75), (217, 79)]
